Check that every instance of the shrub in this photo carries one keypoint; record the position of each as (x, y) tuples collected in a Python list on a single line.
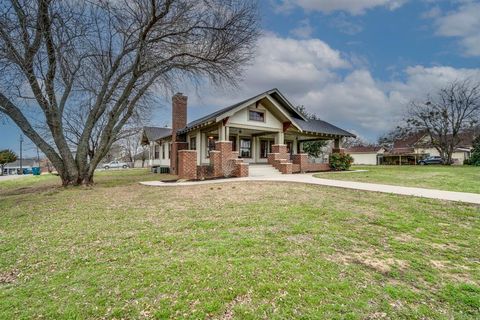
[(475, 155), (466, 162), (340, 161)]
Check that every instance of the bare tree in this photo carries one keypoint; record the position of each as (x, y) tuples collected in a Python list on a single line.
[(80, 70), (454, 109), (350, 142), (131, 145)]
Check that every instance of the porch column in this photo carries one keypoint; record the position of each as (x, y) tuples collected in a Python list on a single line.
[(294, 146), (280, 138), (227, 133), (200, 147), (337, 145), (222, 132)]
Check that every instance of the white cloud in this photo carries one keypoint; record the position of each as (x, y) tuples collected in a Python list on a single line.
[(311, 73), (343, 24), (304, 29), (354, 7), (463, 23)]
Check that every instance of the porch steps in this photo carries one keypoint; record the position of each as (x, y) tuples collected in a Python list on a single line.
[(262, 170)]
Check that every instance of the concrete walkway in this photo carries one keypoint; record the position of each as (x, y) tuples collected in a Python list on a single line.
[(309, 179)]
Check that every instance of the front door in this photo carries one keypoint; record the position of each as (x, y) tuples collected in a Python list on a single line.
[(265, 148)]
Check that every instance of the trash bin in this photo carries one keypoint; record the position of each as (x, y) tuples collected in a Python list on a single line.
[(36, 171)]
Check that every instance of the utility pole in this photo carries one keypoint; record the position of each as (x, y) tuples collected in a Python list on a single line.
[(21, 142)]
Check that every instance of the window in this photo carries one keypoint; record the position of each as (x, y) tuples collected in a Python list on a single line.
[(163, 151), (233, 139), (193, 143), (265, 148), (157, 151), (210, 144), (255, 115), (245, 148), (169, 150)]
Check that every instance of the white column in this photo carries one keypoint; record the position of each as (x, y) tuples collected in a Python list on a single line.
[(222, 132), (199, 147), (280, 138)]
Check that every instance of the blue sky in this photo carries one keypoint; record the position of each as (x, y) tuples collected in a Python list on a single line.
[(355, 63)]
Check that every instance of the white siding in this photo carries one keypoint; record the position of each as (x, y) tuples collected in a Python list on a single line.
[(364, 158), (240, 119)]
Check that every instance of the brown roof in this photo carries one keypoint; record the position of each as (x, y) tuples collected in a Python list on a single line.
[(408, 141), (363, 149), (466, 140)]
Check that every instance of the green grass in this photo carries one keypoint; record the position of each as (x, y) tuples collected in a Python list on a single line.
[(243, 250), (451, 178)]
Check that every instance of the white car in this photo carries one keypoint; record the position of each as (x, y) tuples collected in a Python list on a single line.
[(115, 164)]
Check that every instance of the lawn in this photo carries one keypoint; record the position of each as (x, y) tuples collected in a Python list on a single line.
[(242, 250), (451, 178)]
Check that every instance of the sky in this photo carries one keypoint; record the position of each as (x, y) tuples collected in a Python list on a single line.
[(354, 63)]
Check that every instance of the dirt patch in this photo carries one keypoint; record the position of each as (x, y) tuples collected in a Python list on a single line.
[(445, 246), (9, 276), (406, 238), (239, 300), (300, 238), (369, 259)]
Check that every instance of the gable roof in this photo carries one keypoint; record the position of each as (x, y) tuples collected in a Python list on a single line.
[(155, 133), (415, 140), (304, 124), (409, 140), (213, 116)]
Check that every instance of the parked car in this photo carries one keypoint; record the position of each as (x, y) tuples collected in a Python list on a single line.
[(431, 160), (115, 164)]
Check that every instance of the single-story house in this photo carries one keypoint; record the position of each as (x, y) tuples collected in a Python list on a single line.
[(366, 155), (264, 129), (158, 155), (418, 145), (14, 167)]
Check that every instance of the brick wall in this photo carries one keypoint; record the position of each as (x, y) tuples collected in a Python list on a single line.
[(281, 149), (179, 113), (187, 164), (175, 147)]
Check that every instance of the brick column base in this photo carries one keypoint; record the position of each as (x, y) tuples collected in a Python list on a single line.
[(187, 164)]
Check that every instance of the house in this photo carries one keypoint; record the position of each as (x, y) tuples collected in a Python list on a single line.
[(158, 155), (14, 167), (418, 145), (366, 155), (264, 129)]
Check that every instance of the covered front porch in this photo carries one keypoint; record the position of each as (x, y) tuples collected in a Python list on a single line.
[(253, 145)]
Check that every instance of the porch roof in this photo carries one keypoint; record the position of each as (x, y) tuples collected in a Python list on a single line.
[(322, 127)]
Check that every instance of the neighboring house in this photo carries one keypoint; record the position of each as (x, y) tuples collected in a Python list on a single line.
[(14, 167), (418, 145), (158, 155), (264, 129), (369, 155)]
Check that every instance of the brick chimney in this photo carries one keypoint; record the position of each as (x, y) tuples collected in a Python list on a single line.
[(179, 121), (179, 113)]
